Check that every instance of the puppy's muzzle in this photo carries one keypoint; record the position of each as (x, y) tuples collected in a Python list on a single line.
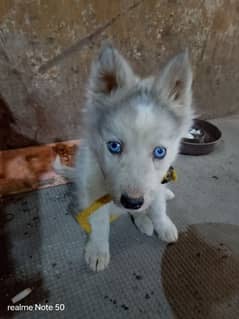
[(131, 202)]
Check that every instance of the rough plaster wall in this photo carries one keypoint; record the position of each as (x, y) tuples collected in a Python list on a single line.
[(46, 48)]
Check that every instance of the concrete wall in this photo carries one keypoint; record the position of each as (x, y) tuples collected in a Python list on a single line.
[(46, 47)]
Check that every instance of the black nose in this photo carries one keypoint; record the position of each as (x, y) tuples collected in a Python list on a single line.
[(131, 202)]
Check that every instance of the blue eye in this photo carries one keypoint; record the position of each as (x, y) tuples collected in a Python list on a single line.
[(114, 147), (159, 152)]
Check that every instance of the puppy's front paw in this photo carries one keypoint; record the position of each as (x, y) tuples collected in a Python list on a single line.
[(167, 231), (97, 256), (144, 224), (169, 194)]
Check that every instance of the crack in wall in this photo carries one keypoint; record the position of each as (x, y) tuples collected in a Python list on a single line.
[(80, 44)]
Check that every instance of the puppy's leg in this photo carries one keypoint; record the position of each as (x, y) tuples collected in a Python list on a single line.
[(97, 253), (163, 225), (90, 183), (144, 223)]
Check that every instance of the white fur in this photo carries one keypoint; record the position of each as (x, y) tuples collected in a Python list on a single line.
[(142, 114), (65, 171), (144, 224)]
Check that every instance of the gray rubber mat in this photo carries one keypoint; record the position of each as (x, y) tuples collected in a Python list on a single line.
[(47, 255), (42, 248)]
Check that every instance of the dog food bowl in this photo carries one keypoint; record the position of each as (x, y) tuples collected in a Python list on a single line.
[(202, 138)]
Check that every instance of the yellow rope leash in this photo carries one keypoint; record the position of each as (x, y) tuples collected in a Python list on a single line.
[(83, 216)]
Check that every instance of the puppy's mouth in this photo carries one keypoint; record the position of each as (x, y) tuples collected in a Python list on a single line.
[(118, 203), (137, 210)]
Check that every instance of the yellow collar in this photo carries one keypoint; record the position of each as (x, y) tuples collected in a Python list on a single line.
[(83, 216)]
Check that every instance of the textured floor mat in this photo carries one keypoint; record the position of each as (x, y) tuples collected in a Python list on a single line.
[(145, 279), (47, 255)]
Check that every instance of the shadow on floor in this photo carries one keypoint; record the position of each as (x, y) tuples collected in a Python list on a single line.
[(9, 138), (14, 278)]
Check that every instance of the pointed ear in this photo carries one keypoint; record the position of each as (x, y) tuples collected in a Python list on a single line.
[(174, 85), (110, 72)]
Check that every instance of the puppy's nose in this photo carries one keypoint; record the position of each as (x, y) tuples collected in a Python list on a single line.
[(131, 202)]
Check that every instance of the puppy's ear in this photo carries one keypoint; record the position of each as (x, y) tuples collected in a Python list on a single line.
[(174, 85), (110, 72)]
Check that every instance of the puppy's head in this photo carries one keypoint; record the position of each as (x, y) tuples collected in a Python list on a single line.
[(135, 125)]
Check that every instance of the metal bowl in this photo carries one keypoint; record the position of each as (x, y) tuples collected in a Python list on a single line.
[(205, 144)]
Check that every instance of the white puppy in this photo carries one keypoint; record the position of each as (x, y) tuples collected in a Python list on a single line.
[(131, 135)]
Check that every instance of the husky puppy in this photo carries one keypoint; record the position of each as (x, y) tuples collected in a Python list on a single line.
[(131, 135)]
